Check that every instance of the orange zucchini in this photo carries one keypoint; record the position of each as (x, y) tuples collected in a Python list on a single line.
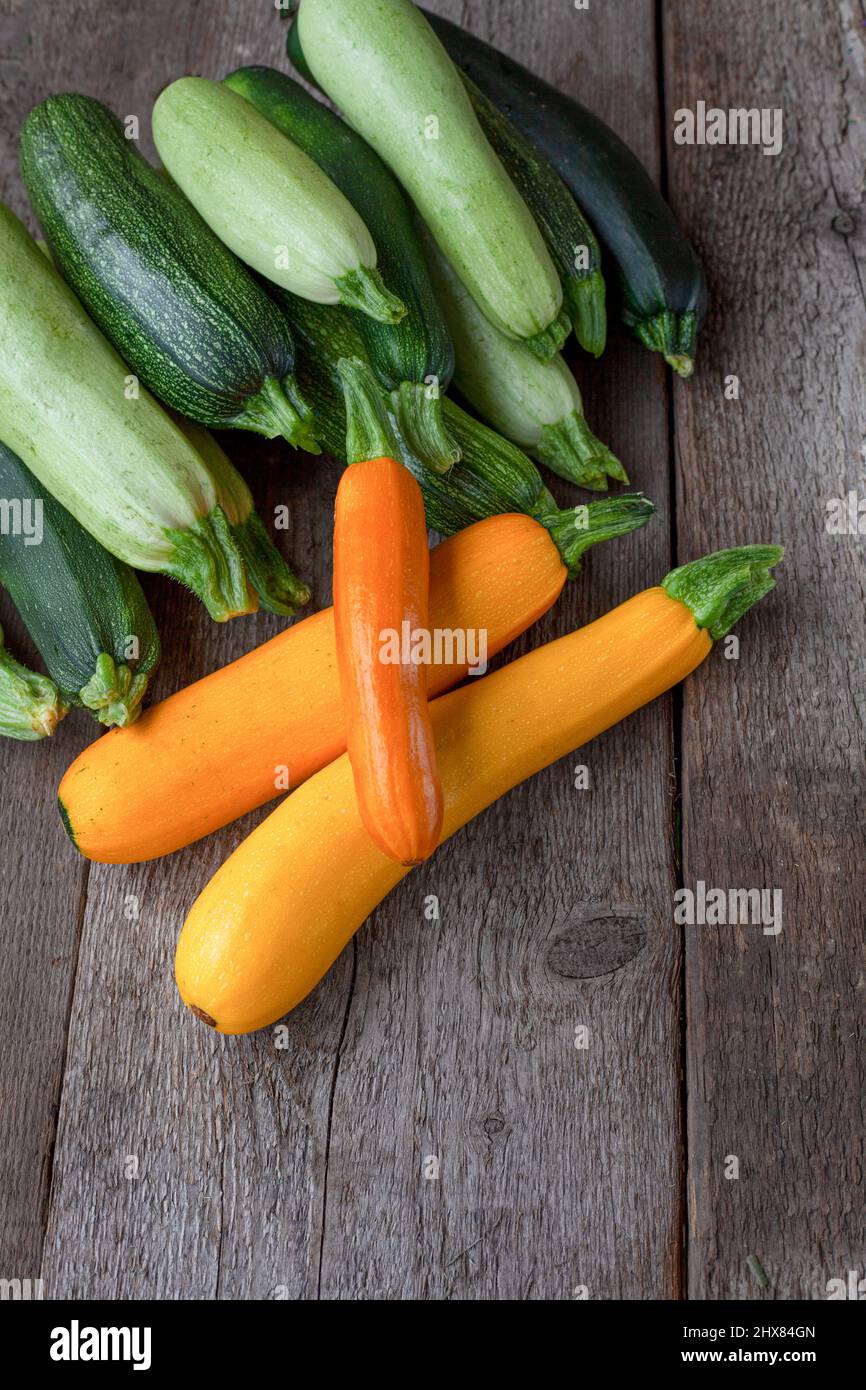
[(280, 910), (235, 740), (381, 587)]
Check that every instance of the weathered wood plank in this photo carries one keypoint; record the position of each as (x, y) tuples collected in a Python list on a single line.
[(42, 894), (227, 1137), (558, 1166), (773, 743)]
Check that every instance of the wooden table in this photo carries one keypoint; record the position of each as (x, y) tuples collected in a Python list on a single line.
[(143, 1156)]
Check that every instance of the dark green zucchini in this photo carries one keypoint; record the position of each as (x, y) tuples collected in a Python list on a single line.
[(417, 351), (185, 314), (664, 291), (30, 704), (84, 609)]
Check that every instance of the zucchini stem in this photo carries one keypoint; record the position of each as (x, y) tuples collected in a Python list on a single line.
[(280, 409), (673, 335), (114, 693), (547, 344), (364, 289), (570, 449), (279, 589), (720, 588), (369, 432), (585, 298), (31, 706), (419, 417), (575, 530), (207, 560)]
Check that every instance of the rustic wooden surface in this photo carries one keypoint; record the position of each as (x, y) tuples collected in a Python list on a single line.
[(142, 1156)]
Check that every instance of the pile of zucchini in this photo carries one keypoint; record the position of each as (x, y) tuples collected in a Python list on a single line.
[(319, 277)]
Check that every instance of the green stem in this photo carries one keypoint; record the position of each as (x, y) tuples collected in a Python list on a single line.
[(673, 335), (721, 587), (570, 449), (418, 409), (31, 706), (575, 530), (114, 693), (547, 344), (369, 433), (585, 298), (207, 560), (364, 289), (278, 588), (280, 409), (545, 502)]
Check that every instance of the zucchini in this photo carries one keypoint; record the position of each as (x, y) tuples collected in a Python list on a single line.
[(84, 609), (492, 476), (567, 234), (664, 290), (267, 200), (30, 704), (371, 434), (535, 404), (103, 448), (278, 588), (421, 122), (417, 351), (188, 318)]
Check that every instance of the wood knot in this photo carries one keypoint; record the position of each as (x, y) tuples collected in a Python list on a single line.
[(596, 941), (844, 223), (493, 1126)]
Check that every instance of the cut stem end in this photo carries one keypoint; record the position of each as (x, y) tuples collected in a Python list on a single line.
[(547, 344), (280, 409), (364, 289), (586, 303), (673, 335), (31, 706), (369, 434), (208, 561), (279, 589), (575, 530), (719, 588), (570, 449), (114, 693), (419, 418)]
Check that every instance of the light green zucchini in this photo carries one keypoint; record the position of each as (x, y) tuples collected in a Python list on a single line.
[(381, 63), (99, 442), (535, 404), (31, 706), (266, 199)]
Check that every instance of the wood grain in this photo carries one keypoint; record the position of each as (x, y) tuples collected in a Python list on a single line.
[(773, 743)]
